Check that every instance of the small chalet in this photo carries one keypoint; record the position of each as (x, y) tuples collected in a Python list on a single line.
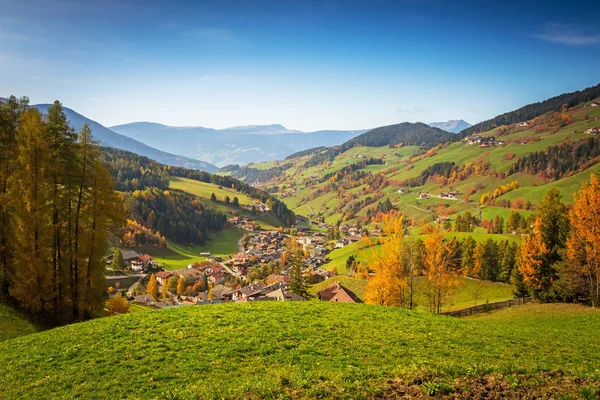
[(338, 294), (163, 276)]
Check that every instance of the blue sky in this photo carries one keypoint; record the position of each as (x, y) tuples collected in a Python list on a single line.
[(306, 64)]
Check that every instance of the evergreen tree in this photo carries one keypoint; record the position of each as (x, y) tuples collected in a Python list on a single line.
[(236, 202), (554, 224), (213, 197), (117, 263), (298, 282)]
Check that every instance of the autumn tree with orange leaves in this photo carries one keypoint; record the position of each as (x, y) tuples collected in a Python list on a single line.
[(535, 269), (441, 280), (583, 245), (395, 266)]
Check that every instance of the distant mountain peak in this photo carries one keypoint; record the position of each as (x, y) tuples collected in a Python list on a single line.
[(454, 125)]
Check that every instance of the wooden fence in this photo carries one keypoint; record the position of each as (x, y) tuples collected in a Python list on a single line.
[(489, 306)]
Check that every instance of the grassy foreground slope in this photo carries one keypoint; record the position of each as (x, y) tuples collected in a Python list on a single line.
[(296, 350)]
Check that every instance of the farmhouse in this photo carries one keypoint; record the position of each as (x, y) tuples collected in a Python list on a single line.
[(338, 294), (141, 263), (129, 256), (593, 131)]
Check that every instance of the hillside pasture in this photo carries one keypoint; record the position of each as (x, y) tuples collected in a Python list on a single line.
[(307, 350)]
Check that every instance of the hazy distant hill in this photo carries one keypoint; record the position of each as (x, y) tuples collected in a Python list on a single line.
[(454, 126), (110, 138), (235, 145)]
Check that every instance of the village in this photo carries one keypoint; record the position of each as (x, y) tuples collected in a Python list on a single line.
[(259, 271)]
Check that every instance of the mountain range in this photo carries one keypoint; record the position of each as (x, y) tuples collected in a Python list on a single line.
[(109, 138), (453, 126), (236, 145)]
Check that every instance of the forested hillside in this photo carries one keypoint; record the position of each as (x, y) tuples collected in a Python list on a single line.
[(158, 213)]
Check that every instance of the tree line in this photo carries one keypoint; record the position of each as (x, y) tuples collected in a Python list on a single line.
[(57, 204)]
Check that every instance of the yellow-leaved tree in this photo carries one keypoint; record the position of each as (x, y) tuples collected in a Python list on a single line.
[(583, 245), (440, 279), (533, 264), (152, 288), (394, 265)]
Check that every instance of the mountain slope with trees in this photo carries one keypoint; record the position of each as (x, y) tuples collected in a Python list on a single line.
[(531, 111)]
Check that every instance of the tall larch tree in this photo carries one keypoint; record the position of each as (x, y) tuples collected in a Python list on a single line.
[(440, 280), (392, 283), (61, 139), (30, 187), (583, 245), (10, 114), (152, 288), (537, 273)]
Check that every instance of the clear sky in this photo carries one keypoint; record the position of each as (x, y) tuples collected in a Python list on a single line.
[(306, 64)]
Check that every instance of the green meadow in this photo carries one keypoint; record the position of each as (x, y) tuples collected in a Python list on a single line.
[(308, 350)]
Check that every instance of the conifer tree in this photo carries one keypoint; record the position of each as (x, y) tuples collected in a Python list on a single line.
[(298, 282), (30, 187)]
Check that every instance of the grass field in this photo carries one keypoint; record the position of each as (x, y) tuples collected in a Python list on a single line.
[(13, 324), (308, 350), (205, 190)]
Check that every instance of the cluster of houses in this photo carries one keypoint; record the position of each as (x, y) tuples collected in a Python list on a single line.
[(593, 131), (273, 289), (352, 235), (485, 141), (262, 248)]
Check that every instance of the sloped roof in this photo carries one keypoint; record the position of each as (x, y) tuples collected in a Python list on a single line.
[(339, 293)]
